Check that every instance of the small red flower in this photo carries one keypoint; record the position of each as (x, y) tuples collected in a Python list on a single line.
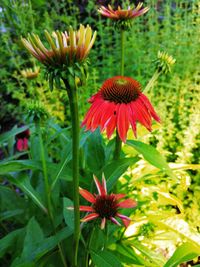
[(119, 104), (123, 14), (104, 206), (22, 140)]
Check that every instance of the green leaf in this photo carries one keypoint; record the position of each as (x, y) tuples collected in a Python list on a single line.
[(10, 240), (68, 214), (157, 259), (22, 181), (19, 165), (151, 155), (128, 255), (184, 253), (114, 170), (9, 214), (105, 259), (94, 151), (5, 136), (34, 237)]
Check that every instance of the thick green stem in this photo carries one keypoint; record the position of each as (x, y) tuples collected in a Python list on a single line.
[(118, 142), (47, 189), (73, 101)]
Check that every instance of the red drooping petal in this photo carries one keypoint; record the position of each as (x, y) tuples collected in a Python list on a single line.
[(150, 107), (126, 220), (95, 122), (140, 114), (107, 114), (86, 208), (115, 221), (87, 195), (128, 203), (132, 119), (123, 122), (90, 217), (111, 124), (89, 116), (100, 188)]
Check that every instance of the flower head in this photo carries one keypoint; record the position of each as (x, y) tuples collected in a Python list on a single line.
[(123, 17), (22, 140), (30, 73), (65, 47), (119, 104), (104, 206), (164, 62)]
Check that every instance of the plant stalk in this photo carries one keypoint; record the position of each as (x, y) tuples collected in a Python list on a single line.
[(47, 189), (152, 81), (118, 142), (73, 101)]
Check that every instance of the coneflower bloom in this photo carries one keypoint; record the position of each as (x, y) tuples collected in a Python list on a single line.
[(123, 14), (117, 105), (65, 47), (22, 140), (104, 206)]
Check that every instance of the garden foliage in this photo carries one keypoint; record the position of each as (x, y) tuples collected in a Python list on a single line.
[(159, 169)]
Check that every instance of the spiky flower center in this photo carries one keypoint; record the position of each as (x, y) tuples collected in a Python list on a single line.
[(120, 89), (106, 206)]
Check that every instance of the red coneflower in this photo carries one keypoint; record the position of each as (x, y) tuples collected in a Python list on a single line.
[(22, 140), (123, 14), (118, 104), (104, 206)]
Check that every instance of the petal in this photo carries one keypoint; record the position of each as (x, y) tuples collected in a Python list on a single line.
[(128, 203), (150, 107), (106, 114), (103, 223), (115, 221), (123, 122), (119, 196), (87, 195), (20, 144), (126, 220), (86, 208), (100, 188), (25, 143), (104, 183), (90, 217), (111, 124), (132, 119)]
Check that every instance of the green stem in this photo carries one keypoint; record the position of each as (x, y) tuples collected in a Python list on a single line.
[(88, 247), (152, 81), (118, 142), (122, 52), (73, 101), (47, 189), (44, 167)]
